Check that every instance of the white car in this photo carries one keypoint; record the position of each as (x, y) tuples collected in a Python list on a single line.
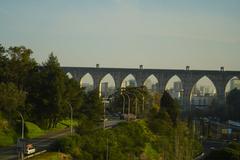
[(30, 149)]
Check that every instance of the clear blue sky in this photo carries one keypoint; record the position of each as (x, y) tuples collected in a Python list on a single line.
[(204, 34)]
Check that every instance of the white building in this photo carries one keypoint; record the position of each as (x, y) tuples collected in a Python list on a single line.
[(177, 86), (104, 89)]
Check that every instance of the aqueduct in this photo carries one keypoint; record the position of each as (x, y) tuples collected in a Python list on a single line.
[(189, 78)]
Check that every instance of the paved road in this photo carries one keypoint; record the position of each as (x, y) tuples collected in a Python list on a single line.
[(113, 122), (213, 144), (210, 145), (9, 153)]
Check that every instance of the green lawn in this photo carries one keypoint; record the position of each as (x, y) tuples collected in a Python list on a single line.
[(33, 130), (7, 137), (63, 124), (7, 134), (52, 156)]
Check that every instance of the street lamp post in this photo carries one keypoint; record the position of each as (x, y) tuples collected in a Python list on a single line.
[(143, 99), (22, 124), (104, 115), (22, 151), (129, 103), (105, 101), (123, 109), (143, 104), (135, 101), (136, 105), (71, 117)]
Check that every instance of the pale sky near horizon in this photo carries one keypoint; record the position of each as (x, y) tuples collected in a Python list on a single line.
[(204, 34)]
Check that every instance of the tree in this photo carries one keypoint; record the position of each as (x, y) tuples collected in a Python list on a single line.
[(11, 98), (233, 104), (20, 66), (92, 106), (73, 95), (53, 83), (4, 61), (171, 106), (47, 93)]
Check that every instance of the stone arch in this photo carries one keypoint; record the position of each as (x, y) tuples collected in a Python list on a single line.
[(209, 79), (84, 82), (202, 96), (107, 85), (130, 78), (174, 86), (153, 81), (230, 86)]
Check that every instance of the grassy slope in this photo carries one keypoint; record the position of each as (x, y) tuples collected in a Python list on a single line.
[(7, 134), (7, 137), (33, 130)]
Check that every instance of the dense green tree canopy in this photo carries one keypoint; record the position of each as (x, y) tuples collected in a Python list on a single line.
[(47, 90), (11, 98), (233, 104), (171, 106)]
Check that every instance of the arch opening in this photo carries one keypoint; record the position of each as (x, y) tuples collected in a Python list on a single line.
[(202, 94), (151, 83), (129, 81), (233, 83), (107, 85), (87, 82), (174, 87)]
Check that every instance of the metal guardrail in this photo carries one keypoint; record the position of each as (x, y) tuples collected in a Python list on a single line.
[(35, 154), (200, 156)]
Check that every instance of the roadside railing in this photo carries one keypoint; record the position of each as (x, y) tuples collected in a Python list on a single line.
[(35, 154)]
